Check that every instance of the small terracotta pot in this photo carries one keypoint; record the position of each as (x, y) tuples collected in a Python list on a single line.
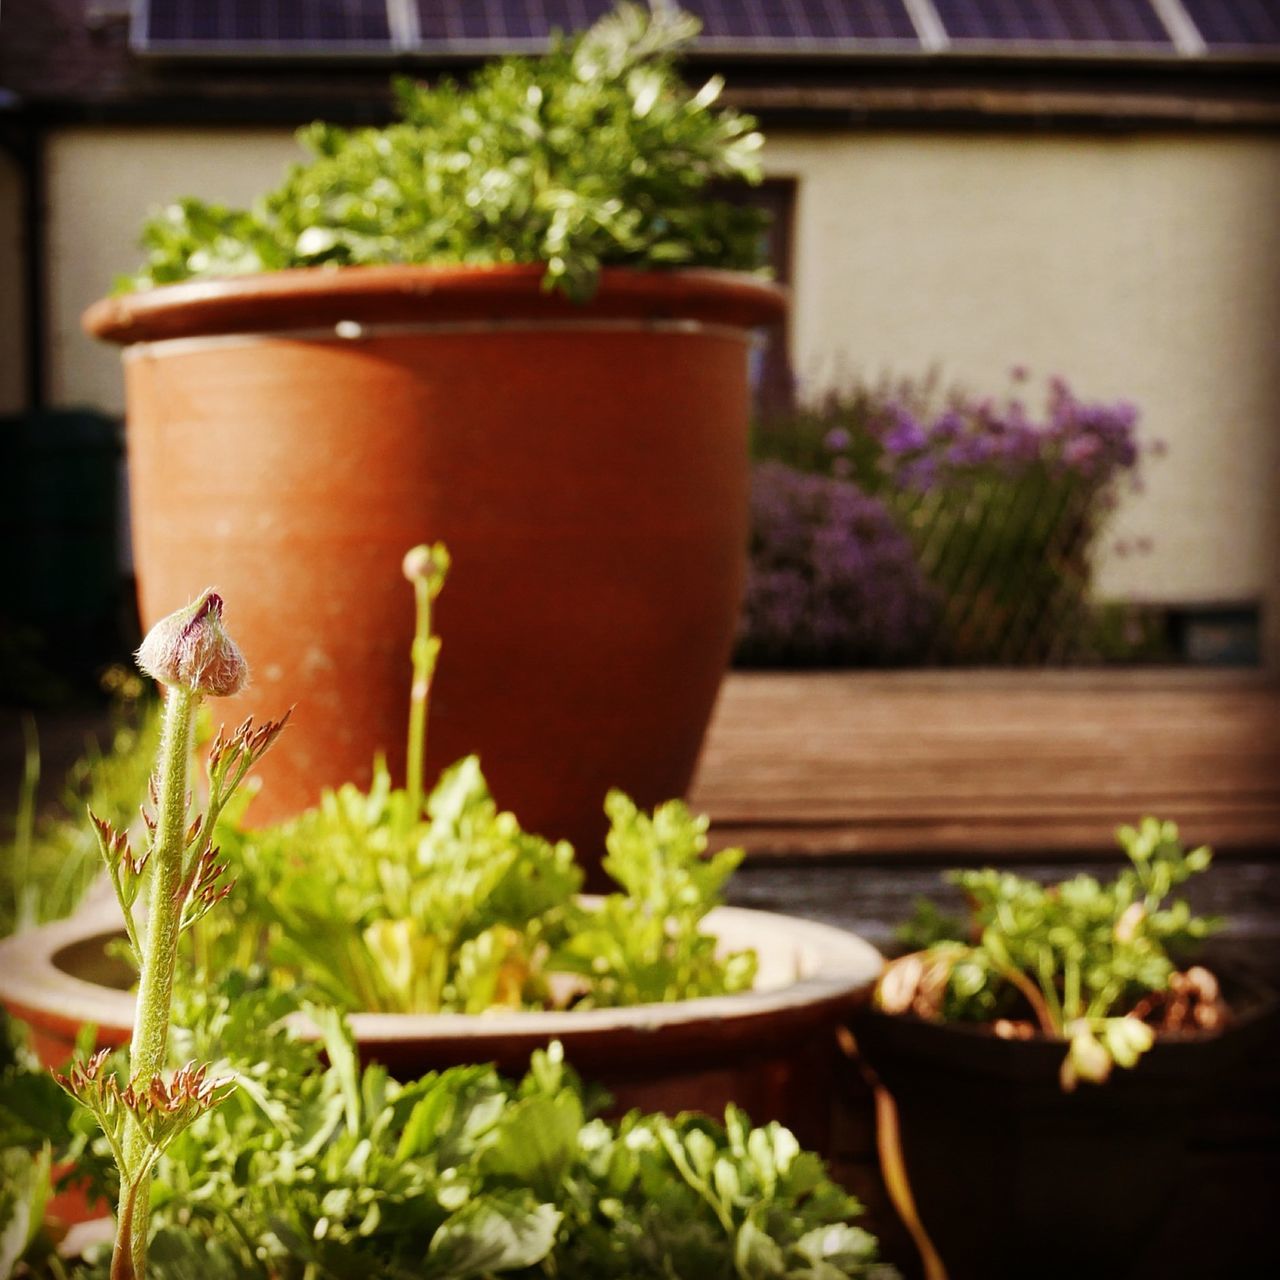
[(770, 1050), (291, 435)]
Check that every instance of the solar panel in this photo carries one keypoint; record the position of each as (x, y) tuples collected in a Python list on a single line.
[(790, 23), (778, 26), (290, 25), (501, 24), (1052, 22), (773, 28), (1236, 24)]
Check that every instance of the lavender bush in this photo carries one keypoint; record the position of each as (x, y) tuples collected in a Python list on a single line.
[(1002, 506), (832, 579)]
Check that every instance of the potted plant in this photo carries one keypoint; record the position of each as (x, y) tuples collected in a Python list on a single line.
[(1005, 1125), (450, 935), (514, 320), (250, 1160)]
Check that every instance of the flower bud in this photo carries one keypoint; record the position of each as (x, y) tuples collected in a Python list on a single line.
[(427, 564), (190, 649)]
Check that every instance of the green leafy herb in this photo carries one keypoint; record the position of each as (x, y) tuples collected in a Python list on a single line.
[(317, 1170), (646, 944), (462, 911), (595, 154)]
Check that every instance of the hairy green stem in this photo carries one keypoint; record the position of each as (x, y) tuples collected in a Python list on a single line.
[(1100, 1005), (148, 1051), (122, 1259)]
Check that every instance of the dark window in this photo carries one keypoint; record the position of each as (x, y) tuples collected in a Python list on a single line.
[(772, 382)]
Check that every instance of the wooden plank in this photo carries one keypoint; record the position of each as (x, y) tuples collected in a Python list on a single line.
[(852, 763)]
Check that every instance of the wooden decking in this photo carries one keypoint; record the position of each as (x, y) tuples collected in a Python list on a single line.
[(992, 764)]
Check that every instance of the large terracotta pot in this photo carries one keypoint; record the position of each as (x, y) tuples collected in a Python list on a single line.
[(291, 435), (770, 1050)]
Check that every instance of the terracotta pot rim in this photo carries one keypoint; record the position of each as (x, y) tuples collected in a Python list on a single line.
[(321, 297), (838, 971)]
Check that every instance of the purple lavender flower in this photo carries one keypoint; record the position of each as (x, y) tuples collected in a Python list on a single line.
[(947, 427), (906, 435), (1002, 499), (970, 451), (832, 579), (1082, 453), (920, 474)]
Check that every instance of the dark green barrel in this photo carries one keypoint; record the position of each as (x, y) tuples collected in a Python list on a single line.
[(61, 574)]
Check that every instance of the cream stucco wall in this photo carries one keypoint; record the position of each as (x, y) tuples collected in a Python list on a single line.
[(101, 184), (13, 339), (1142, 267), (1139, 267)]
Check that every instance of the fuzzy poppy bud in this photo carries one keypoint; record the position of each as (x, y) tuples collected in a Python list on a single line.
[(190, 649)]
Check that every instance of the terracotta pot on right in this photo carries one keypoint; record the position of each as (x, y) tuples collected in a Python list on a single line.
[(291, 435), (1011, 1177)]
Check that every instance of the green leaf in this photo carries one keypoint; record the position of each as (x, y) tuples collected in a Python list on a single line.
[(24, 1189), (756, 1254), (33, 1110), (174, 1254), (536, 1142), (340, 1047), (492, 1234), (839, 1245)]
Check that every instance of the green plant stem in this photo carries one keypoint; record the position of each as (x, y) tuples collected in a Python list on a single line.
[(675, 1151), (149, 1048), (419, 694), (1047, 972), (1071, 991), (1034, 997), (1100, 1005)]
